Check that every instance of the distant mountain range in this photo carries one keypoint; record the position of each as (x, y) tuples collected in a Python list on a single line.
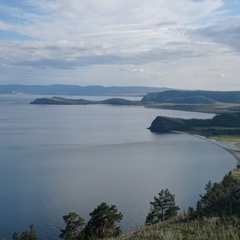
[(58, 89)]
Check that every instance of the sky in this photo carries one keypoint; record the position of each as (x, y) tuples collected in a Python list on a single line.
[(184, 44)]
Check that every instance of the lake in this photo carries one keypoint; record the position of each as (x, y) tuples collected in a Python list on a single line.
[(58, 159)]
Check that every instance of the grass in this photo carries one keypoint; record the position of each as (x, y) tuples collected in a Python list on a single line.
[(207, 108), (236, 172), (207, 229), (228, 138)]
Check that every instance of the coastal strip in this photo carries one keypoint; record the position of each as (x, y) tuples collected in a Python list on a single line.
[(234, 153)]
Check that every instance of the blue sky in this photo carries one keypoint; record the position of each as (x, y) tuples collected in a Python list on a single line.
[(187, 44)]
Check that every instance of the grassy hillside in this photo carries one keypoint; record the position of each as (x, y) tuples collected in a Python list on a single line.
[(217, 216), (205, 229), (65, 101), (206, 108), (197, 101), (193, 97)]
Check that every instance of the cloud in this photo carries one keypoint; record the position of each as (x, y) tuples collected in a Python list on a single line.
[(227, 34), (143, 39), (58, 19), (142, 71)]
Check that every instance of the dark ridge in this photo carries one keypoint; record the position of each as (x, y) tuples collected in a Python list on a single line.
[(65, 101), (222, 124)]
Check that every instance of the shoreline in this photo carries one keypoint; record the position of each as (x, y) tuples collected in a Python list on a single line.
[(234, 153)]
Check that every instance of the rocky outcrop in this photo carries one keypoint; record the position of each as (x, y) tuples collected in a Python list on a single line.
[(165, 124), (222, 124)]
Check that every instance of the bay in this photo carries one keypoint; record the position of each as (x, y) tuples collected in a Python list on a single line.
[(58, 159)]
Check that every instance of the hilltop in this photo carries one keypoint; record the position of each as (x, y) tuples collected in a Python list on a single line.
[(193, 97), (221, 124), (67, 101)]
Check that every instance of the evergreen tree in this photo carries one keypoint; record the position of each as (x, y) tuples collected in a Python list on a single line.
[(73, 228), (221, 199), (162, 208), (27, 235), (103, 222)]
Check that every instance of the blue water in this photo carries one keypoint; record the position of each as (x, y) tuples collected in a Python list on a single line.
[(58, 159)]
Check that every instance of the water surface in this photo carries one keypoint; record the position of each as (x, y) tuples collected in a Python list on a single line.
[(58, 159)]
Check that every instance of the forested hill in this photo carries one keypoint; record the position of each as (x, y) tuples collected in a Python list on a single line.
[(221, 124), (193, 97)]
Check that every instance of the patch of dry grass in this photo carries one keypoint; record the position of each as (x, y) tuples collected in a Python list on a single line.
[(207, 229), (228, 138), (236, 173)]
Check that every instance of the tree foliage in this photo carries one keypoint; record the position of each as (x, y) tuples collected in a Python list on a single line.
[(221, 199), (73, 228), (162, 208), (102, 224), (103, 221), (27, 235)]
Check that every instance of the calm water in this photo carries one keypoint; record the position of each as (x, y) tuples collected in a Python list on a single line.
[(58, 159)]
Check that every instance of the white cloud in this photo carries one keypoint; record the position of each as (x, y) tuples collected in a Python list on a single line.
[(58, 19), (156, 42)]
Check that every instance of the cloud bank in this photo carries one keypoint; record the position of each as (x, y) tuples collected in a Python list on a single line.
[(178, 43)]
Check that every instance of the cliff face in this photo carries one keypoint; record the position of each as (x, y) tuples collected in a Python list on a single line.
[(165, 125), (222, 124)]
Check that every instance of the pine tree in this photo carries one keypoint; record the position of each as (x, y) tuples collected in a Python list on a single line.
[(27, 235), (162, 208), (103, 222), (73, 228)]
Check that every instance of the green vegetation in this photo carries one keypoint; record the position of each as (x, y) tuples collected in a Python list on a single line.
[(220, 200), (102, 224), (197, 101), (217, 216), (65, 101), (162, 208), (236, 172), (204, 229), (193, 97), (228, 138), (206, 108), (222, 124), (27, 235), (74, 226)]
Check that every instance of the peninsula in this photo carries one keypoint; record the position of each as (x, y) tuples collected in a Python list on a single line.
[(197, 101), (225, 127), (221, 124), (65, 101)]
